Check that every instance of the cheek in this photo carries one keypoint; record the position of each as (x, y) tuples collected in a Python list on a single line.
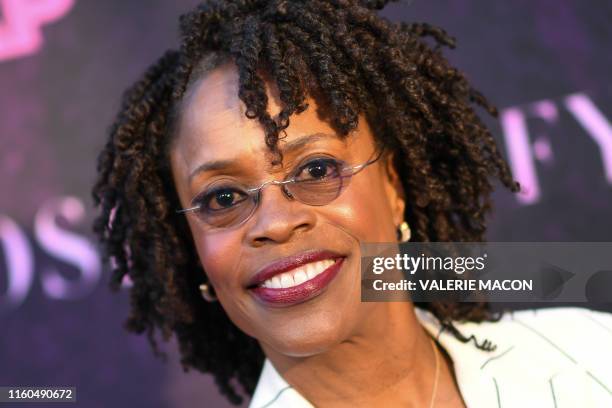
[(219, 254), (222, 260), (364, 211)]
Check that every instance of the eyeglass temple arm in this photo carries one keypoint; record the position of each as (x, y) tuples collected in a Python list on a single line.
[(360, 167), (184, 210)]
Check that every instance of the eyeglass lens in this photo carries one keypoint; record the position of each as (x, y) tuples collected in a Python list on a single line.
[(226, 203)]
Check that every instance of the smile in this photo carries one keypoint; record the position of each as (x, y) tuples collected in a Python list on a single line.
[(298, 275), (297, 279)]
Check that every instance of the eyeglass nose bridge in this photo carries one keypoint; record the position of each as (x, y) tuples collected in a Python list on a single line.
[(283, 184)]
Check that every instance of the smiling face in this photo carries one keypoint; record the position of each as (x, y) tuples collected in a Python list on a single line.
[(290, 274)]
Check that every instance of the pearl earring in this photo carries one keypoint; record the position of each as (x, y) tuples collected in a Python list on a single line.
[(207, 292), (403, 232)]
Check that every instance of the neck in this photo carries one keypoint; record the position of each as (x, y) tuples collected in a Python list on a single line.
[(388, 358)]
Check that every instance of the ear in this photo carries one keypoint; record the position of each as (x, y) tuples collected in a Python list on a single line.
[(394, 188)]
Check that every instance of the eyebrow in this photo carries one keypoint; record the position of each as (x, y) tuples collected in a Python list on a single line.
[(288, 147)]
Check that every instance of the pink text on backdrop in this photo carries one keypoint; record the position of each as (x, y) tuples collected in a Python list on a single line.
[(20, 30)]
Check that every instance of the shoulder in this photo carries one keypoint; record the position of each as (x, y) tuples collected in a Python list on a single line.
[(559, 327), (569, 326), (562, 337), (557, 353)]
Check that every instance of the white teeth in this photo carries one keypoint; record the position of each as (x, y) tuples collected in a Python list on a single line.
[(276, 282), (286, 280), (297, 276), (300, 277), (311, 271)]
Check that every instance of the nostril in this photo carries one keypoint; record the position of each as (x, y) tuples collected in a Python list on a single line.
[(262, 240)]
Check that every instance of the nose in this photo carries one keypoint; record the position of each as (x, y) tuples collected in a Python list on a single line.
[(279, 217)]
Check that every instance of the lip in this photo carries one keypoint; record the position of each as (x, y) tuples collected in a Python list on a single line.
[(299, 293)]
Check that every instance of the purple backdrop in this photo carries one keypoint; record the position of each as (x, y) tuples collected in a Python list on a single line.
[(63, 66)]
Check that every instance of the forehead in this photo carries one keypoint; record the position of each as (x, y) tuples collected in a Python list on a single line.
[(213, 116), (212, 124), (211, 108)]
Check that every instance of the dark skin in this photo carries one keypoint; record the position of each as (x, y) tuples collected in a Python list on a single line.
[(334, 349)]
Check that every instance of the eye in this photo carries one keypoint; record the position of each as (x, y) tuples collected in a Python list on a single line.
[(221, 198), (318, 169)]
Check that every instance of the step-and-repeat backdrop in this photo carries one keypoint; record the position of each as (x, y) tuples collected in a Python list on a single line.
[(63, 64)]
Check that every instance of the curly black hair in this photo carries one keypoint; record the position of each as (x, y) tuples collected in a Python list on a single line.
[(353, 61)]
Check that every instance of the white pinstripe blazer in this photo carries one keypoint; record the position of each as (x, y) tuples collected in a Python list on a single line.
[(557, 358)]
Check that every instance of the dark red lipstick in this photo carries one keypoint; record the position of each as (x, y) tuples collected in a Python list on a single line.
[(299, 293)]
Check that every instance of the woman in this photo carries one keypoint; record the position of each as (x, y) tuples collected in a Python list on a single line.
[(225, 197)]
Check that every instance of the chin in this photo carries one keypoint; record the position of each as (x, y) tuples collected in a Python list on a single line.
[(308, 338)]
